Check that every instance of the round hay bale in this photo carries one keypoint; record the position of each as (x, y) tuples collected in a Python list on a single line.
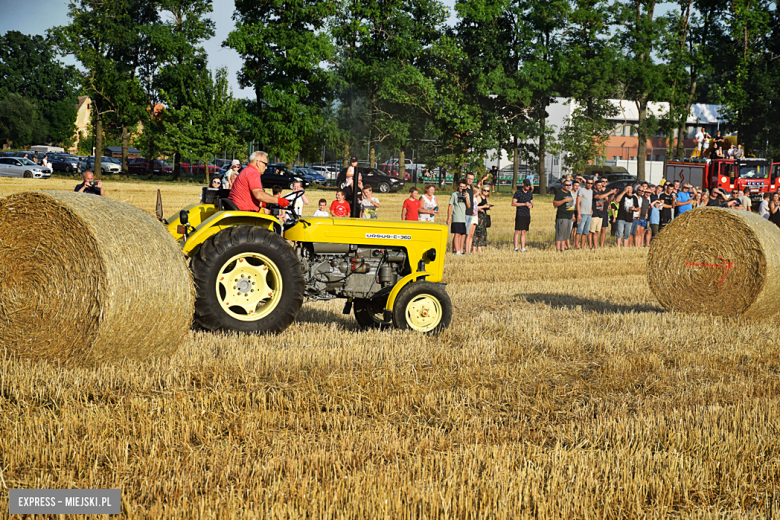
[(86, 280), (717, 261)]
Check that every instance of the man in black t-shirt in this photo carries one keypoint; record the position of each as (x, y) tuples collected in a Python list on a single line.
[(627, 204), (523, 200), (564, 204), (668, 199)]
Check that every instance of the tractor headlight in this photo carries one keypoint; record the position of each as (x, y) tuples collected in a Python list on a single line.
[(430, 255)]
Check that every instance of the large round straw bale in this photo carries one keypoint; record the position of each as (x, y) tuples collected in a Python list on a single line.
[(85, 280), (717, 261)]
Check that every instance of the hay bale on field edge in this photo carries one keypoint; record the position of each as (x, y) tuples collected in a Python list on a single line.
[(86, 280), (717, 261)]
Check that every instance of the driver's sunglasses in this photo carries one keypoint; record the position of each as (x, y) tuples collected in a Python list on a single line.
[(262, 162), (567, 184)]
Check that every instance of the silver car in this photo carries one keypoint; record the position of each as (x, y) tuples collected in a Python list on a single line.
[(21, 167)]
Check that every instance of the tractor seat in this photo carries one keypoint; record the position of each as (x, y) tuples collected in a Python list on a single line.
[(227, 205)]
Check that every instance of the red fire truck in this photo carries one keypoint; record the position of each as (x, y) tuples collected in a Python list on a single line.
[(754, 176)]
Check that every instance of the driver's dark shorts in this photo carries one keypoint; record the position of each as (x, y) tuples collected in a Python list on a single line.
[(522, 223), (458, 228)]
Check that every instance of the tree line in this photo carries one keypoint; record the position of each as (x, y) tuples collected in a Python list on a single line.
[(334, 76)]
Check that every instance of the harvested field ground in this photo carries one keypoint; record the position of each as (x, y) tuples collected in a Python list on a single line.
[(561, 390)]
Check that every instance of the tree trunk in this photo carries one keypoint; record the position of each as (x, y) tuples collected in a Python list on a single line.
[(641, 153), (681, 129), (125, 141), (670, 143), (679, 151), (402, 164), (97, 167), (542, 144), (515, 167), (177, 166), (372, 156)]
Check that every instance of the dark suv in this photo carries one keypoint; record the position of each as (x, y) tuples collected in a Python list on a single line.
[(280, 175), (140, 166), (64, 163)]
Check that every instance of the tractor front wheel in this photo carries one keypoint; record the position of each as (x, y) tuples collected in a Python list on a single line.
[(424, 307), (247, 279)]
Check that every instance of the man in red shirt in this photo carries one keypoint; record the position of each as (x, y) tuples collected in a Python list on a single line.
[(247, 190), (411, 209)]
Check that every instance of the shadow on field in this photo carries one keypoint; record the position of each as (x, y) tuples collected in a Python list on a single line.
[(311, 315), (576, 303)]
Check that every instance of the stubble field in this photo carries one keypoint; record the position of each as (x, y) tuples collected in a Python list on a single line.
[(561, 390)]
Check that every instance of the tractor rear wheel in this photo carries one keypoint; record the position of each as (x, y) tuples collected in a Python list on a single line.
[(247, 279), (424, 307), (370, 313)]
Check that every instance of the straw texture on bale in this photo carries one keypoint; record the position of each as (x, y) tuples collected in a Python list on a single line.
[(717, 261), (86, 280)]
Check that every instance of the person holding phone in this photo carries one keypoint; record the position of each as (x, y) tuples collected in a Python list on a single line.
[(90, 185), (482, 206)]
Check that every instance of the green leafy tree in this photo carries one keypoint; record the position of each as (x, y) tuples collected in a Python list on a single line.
[(20, 121), (590, 51), (748, 83), (204, 124), (28, 67), (381, 48), (642, 77), (97, 33), (284, 44), (177, 51)]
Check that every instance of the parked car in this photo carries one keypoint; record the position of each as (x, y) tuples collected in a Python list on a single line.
[(140, 166), (311, 175), (21, 167), (379, 180), (198, 168), (64, 163), (330, 173), (106, 165), (280, 175)]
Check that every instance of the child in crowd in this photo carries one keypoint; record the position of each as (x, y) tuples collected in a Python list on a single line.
[(280, 213), (323, 211), (369, 204), (340, 207), (300, 202), (411, 209)]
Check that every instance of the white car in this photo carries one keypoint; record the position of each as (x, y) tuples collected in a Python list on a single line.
[(21, 167)]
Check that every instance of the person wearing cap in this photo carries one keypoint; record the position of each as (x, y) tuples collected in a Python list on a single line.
[(683, 200), (231, 174), (247, 191), (346, 179), (523, 200)]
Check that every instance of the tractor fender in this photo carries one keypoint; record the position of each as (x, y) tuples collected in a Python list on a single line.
[(403, 282), (224, 220)]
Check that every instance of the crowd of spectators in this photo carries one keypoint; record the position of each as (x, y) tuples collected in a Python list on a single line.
[(585, 210)]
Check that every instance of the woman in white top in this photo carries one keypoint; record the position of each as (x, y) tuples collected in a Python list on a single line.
[(45, 163), (429, 208)]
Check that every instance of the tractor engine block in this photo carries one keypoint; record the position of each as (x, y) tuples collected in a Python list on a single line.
[(350, 270)]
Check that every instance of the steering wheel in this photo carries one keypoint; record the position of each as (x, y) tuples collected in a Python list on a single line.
[(292, 216)]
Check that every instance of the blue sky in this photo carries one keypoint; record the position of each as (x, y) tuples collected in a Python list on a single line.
[(36, 16)]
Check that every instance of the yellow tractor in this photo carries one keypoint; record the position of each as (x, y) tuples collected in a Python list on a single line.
[(248, 278)]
